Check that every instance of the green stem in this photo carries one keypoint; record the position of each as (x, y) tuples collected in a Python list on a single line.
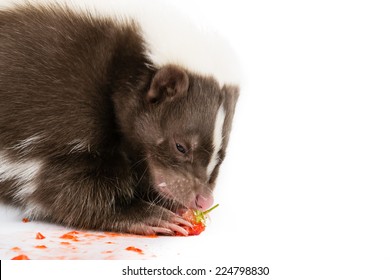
[(211, 209)]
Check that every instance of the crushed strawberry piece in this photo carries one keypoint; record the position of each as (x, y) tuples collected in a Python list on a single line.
[(40, 247), (25, 220), (20, 257), (70, 235), (39, 236), (134, 249)]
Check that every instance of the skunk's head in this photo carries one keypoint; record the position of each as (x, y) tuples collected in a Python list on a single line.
[(185, 130)]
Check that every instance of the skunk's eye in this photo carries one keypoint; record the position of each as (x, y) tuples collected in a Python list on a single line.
[(181, 149)]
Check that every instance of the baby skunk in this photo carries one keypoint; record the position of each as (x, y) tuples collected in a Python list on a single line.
[(111, 122)]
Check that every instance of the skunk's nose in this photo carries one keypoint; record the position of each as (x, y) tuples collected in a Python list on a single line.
[(204, 202)]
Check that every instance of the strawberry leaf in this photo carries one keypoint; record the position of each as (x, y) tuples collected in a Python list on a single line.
[(200, 216)]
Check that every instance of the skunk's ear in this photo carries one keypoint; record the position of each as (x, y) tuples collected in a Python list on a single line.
[(168, 82)]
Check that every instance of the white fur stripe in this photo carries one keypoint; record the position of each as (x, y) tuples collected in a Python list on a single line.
[(217, 140), (24, 172)]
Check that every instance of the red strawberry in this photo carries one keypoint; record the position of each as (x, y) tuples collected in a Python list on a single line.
[(196, 229), (198, 220)]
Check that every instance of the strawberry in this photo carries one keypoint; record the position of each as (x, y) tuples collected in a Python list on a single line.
[(198, 220)]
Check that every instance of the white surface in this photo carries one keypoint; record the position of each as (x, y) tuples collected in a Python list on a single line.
[(91, 245), (306, 179)]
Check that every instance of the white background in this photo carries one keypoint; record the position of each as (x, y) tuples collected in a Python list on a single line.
[(307, 177), (304, 188)]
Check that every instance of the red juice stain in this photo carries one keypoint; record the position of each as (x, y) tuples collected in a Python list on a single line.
[(64, 243), (107, 252), (40, 247), (109, 242), (90, 235), (15, 249), (20, 257), (39, 236), (25, 220), (134, 249)]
